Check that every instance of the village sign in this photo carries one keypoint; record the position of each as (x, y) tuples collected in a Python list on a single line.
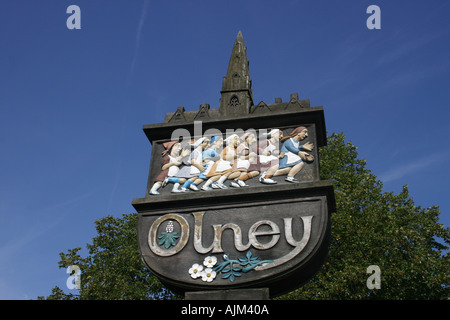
[(234, 198)]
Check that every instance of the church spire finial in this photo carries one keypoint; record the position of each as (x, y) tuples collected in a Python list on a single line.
[(239, 36), (237, 95)]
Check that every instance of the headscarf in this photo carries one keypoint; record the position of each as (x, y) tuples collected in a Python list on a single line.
[(294, 133), (198, 142), (214, 139), (168, 146), (230, 138), (246, 135), (270, 133)]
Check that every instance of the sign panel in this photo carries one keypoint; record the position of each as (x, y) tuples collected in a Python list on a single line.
[(274, 243)]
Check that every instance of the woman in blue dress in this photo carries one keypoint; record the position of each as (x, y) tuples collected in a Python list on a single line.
[(194, 166), (293, 154)]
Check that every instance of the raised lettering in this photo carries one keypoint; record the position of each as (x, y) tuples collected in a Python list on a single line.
[(299, 245), (198, 245), (218, 229), (274, 232), (216, 246)]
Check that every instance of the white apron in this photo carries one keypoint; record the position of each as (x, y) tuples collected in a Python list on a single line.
[(173, 170), (223, 165), (197, 155), (241, 163), (267, 159)]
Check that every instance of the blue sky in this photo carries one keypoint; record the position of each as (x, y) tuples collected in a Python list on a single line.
[(73, 102)]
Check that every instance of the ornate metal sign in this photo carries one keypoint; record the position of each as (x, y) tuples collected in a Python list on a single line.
[(234, 196)]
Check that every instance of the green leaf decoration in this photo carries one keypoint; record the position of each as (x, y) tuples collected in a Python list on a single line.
[(168, 239)]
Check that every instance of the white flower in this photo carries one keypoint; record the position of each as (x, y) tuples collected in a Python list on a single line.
[(196, 270), (210, 261), (208, 275), (169, 227)]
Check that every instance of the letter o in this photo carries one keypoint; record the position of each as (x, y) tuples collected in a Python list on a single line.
[(152, 242)]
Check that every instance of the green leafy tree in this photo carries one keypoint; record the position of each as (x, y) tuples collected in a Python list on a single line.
[(113, 269), (375, 228), (370, 227)]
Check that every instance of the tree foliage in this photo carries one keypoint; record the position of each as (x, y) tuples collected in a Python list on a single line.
[(370, 227), (113, 269)]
